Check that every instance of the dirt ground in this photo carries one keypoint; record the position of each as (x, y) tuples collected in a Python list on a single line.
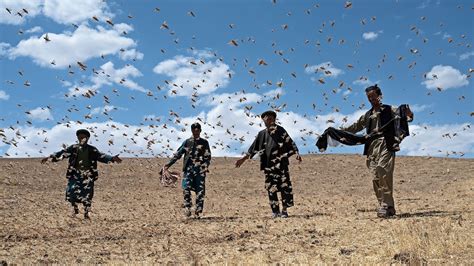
[(136, 220)]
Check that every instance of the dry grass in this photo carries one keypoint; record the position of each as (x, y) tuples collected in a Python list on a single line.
[(135, 220), (434, 240)]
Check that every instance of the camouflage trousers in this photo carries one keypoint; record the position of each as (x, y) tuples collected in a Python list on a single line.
[(80, 189), (194, 182), (278, 180)]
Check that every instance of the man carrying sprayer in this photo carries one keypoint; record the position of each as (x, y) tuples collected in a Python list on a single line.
[(380, 150), (274, 146), (197, 157)]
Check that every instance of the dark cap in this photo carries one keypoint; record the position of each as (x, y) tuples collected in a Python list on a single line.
[(268, 113), (374, 88), (196, 125), (83, 131)]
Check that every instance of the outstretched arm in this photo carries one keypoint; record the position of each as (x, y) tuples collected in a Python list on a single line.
[(250, 153), (357, 126), (102, 157), (65, 153), (240, 161), (105, 158), (116, 159)]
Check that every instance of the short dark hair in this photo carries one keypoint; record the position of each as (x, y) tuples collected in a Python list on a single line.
[(83, 131), (374, 88), (196, 125), (268, 113)]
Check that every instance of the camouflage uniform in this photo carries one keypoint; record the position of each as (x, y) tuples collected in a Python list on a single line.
[(197, 157), (275, 146), (81, 172)]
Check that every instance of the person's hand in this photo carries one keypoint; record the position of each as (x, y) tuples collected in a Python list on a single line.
[(116, 159), (240, 162), (44, 160), (165, 168), (298, 158)]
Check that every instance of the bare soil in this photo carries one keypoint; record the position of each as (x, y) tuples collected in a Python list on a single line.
[(136, 220)]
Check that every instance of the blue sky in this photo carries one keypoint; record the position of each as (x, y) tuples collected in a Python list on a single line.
[(151, 68)]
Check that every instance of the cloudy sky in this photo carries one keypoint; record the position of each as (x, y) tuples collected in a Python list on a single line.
[(138, 73)]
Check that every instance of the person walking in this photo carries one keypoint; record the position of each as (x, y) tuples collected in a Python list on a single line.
[(82, 170), (197, 158), (275, 147)]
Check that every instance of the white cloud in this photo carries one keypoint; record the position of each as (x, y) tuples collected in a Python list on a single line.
[(203, 53), (119, 76), (40, 114), (238, 99), (106, 109), (419, 107), (370, 36), (4, 95), (123, 27), (103, 109), (152, 117), (63, 12), (229, 126), (424, 4), (127, 140), (108, 75), (230, 130), (34, 30), (77, 91), (68, 48), (325, 69), (445, 77), (445, 34), (346, 92), (16, 6), (299, 126), (131, 54), (35, 141), (189, 75), (4, 48), (234, 99), (66, 12), (226, 126), (432, 140), (338, 119), (65, 83), (363, 81), (466, 56), (274, 93)]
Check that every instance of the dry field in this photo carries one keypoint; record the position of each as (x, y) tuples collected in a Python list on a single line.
[(135, 220)]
